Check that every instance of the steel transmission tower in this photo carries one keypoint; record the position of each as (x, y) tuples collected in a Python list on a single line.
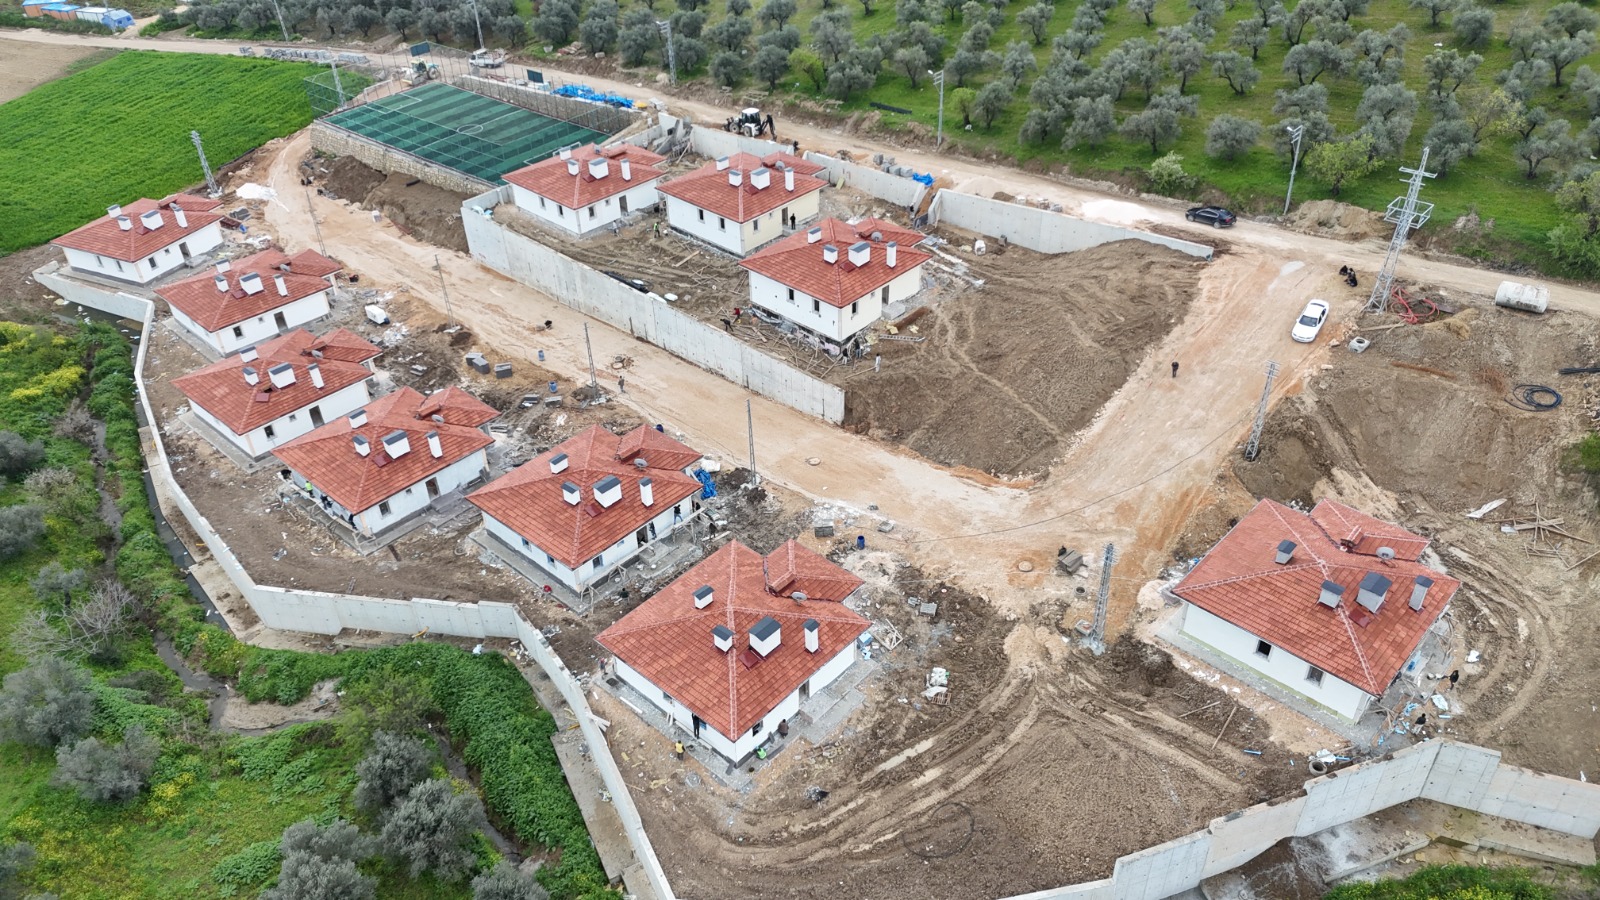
[(1406, 213), (1253, 448), (1096, 642), (205, 165)]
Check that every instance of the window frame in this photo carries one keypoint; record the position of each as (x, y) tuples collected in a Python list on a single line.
[(1263, 653), (1315, 675)]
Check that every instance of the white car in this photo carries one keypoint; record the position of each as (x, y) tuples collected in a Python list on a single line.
[(1310, 322)]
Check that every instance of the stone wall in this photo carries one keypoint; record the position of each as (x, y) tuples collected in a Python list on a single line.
[(335, 141)]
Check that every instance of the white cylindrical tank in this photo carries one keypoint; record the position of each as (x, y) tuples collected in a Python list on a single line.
[(1530, 297)]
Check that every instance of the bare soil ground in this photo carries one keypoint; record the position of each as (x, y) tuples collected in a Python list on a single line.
[(29, 65), (431, 213)]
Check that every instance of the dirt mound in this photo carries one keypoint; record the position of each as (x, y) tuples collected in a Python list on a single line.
[(1009, 373), (425, 211), (1334, 219)]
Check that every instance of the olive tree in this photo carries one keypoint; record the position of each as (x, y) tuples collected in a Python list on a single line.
[(395, 764), (1161, 121), (504, 882), (103, 773), (18, 455), (47, 704), (1473, 25), (1236, 69), (321, 863), (431, 828), (1230, 137)]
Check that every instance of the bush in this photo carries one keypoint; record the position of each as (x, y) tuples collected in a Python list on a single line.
[(47, 704), (248, 869), (20, 529), (55, 584), (1452, 882), (107, 774), (18, 455), (432, 830), (1230, 136), (337, 840), (504, 882), (303, 876), (1168, 177), (395, 765), (14, 860)]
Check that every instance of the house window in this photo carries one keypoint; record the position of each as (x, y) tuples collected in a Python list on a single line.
[(722, 223), (666, 696), (591, 212), (152, 262), (383, 509), (408, 491), (791, 295), (599, 561), (755, 225), (702, 214), (119, 264), (167, 251), (551, 560), (294, 417), (1314, 675), (541, 203), (525, 544), (561, 211), (756, 729), (268, 432), (854, 307), (98, 261), (886, 293), (238, 332), (816, 306), (1263, 649)]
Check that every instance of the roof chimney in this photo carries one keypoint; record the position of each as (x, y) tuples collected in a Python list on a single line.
[(765, 636), (571, 493), (179, 217), (250, 375), (627, 170), (114, 210), (248, 354), (362, 447), (813, 643), (1371, 592), (222, 283), (788, 179), (735, 177), (761, 178), (860, 253), (396, 444), (814, 234), (830, 254), (282, 375), (152, 220), (722, 163), (558, 463), (722, 637), (647, 492), (565, 153), (358, 418), (434, 448), (1285, 552), (599, 168), (283, 289), (251, 283), (224, 266), (891, 254), (703, 595), (608, 490), (315, 371), (572, 166), (125, 223), (1419, 590), (1331, 595)]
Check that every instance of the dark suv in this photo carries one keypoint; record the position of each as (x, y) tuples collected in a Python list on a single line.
[(1215, 216)]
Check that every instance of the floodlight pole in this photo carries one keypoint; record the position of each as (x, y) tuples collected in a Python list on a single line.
[(594, 383), (449, 316), (938, 80), (1296, 132), (279, 10), (750, 428), (1252, 448), (672, 56), (205, 165), (478, 22)]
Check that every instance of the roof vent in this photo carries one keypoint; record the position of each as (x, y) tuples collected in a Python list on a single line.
[(1386, 553), (565, 153), (114, 210), (788, 179), (627, 170), (1372, 590), (282, 375), (152, 220), (1285, 552), (1419, 590), (608, 490), (178, 216), (703, 596), (765, 636), (722, 637), (396, 444), (860, 253), (722, 163), (224, 266), (435, 449), (599, 168), (830, 254), (222, 284), (251, 376), (1331, 595), (558, 464), (315, 371), (362, 447), (812, 631), (735, 177), (124, 223), (572, 166), (814, 234), (571, 493), (647, 492), (283, 289), (761, 178), (891, 254), (358, 418), (248, 354), (251, 283)]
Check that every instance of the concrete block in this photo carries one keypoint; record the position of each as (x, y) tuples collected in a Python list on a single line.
[(1163, 870), (1242, 836)]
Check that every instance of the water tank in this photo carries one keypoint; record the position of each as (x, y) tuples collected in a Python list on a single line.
[(1530, 297)]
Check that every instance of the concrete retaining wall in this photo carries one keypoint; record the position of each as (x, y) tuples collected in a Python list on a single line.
[(1041, 230), (710, 141), (599, 296), (117, 303), (607, 119), (336, 141), (902, 192)]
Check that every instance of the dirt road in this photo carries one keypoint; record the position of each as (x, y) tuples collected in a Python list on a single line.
[(29, 65)]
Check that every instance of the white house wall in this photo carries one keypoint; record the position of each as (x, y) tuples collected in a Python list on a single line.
[(611, 557), (264, 327), (291, 425), (823, 318), (833, 668), (734, 237), (1283, 667), (149, 268), (582, 220), (505, 533), (406, 502)]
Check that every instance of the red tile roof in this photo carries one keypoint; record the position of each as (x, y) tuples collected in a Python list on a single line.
[(456, 407), (105, 237), (792, 568), (221, 390), (798, 263), (529, 499), (551, 178), (1364, 534), (1239, 581), (328, 458), (669, 642), (213, 309), (310, 262), (707, 187), (343, 345), (656, 449)]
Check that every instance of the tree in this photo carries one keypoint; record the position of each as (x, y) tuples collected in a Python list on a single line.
[(434, 24), (1250, 34), (556, 21), (1581, 196), (504, 882), (1387, 112), (303, 875), (1434, 9), (727, 68), (56, 584), (691, 52), (1552, 141), (1230, 137), (1236, 69), (1565, 50), (831, 35), (1315, 57), (1207, 13), (18, 455), (92, 628), (20, 528), (1144, 9), (1571, 19), (1093, 120), (1474, 25), (1447, 70), (511, 29), (729, 34), (913, 61), (395, 764), (362, 19), (991, 102), (690, 5), (599, 27), (638, 38), (962, 100), (786, 39), (952, 8), (770, 64), (810, 65), (1186, 55), (336, 840), (431, 830), (1345, 10), (966, 63), (1335, 163), (1138, 61), (1168, 177), (1161, 120), (47, 704), (1488, 111), (777, 13), (1036, 20), (1525, 34), (107, 774), (907, 12), (1017, 63), (16, 859), (1079, 43), (847, 78), (1295, 23), (1449, 141)]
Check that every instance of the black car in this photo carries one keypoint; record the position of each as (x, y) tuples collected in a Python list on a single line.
[(1215, 216)]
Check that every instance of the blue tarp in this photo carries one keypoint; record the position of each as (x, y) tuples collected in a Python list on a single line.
[(922, 178), (708, 490), (584, 92)]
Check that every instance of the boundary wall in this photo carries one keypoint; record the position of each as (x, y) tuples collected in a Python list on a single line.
[(337, 141), (902, 192), (1041, 230), (710, 141), (120, 303), (596, 116), (602, 297)]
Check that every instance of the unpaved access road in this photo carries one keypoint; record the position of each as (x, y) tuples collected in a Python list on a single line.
[(25, 66)]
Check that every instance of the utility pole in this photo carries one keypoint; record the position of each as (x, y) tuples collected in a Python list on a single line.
[(1296, 132), (311, 210), (938, 80), (338, 86), (672, 55), (1096, 642), (205, 165), (279, 10), (1252, 449), (593, 383), (750, 427), (438, 267), (1406, 213), (478, 22)]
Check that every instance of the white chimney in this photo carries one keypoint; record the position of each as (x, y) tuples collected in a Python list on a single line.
[(765, 636), (362, 447), (814, 234), (1372, 590), (703, 596), (315, 371), (599, 168), (248, 354), (722, 163), (860, 253), (627, 170), (830, 254), (558, 463), (434, 448), (647, 492), (224, 266), (222, 284), (396, 444), (152, 220), (813, 642), (608, 491), (566, 153), (761, 178), (722, 637), (251, 282), (1285, 552), (358, 418), (735, 177), (179, 217), (571, 493), (125, 223), (572, 166), (282, 375), (788, 179), (114, 210), (283, 289), (891, 254), (1419, 591), (1331, 595), (250, 375)]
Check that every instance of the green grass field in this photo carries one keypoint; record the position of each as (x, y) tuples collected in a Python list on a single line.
[(120, 130)]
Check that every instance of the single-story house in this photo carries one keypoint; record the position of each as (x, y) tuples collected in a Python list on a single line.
[(834, 279), (1329, 606), (272, 393), (583, 189), (591, 503), (738, 644), (146, 239), (743, 201), (253, 299), (382, 464)]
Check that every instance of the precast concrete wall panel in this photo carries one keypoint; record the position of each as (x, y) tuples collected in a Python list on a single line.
[(1364, 789), (448, 618), (1242, 836), (1105, 889), (117, 303), (902, 192), (1042, 230), (293, 610), (711, 141), (376, 614), (499, 619), (1560, 804), (1461, 775), (1163, 870)]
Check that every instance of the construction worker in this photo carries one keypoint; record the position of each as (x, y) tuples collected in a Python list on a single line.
[(677, 750), (727, 324), (621, 387), (1174, 368)]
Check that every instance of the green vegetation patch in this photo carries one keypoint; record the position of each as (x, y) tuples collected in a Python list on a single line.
[(1452, 882)]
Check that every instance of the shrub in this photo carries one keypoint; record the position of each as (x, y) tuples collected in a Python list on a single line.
[(20, 529), (432, 829), (14, 860), (504, 882), (1452, 882), (108, 774), (303, 875), (1168, 177), (248, 869), (336, 840), (54, 584), (18, 455), (1230, 136), (395, 765), (46, 704)]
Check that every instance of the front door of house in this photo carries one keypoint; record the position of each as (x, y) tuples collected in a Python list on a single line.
[(316, 417), (432, 485), (642, 536), (280, 321), (805, 690), (622, 204), (183, 247)]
